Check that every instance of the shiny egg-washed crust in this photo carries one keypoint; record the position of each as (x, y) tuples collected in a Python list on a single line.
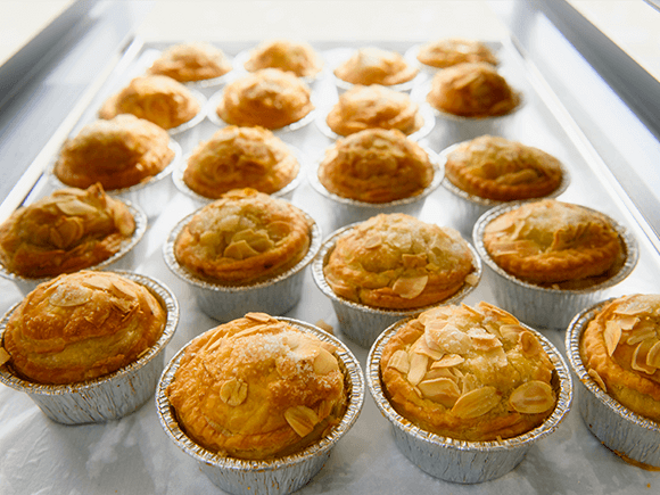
[(81, 326), (118, 153), (244, 237), (468, 373), (375, 66), (268, 98), (67, 231), (158, 99), (472, 90), (375, 106), (297, 57), (238, 157), (398, 262), (620, 349), (191, 62), (257, 388), (376, 166), (496, 168), (447, 52), (548, 241)]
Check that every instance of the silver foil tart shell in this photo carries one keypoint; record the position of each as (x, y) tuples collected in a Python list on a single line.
[(466, 208), (111, 396), (124, 259), (188, 133), (361, 323), (461, 461), (626, 433), (224, 303), (199, 201), (278, 476), (344, 211), (541, 306)]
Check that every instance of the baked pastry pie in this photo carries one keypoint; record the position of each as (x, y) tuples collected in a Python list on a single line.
[(188, 62), (81, 326), (158, 99), (299, 58), (375, 106), (396, 261), (468, 373), (244, 237), (118, 153), (447, 52), (257, 388), (238, 157), (495, 168), (376, 166), (549, 242), (620, 350), (375, 66), (472, 90), (269, 98), (67, 231)]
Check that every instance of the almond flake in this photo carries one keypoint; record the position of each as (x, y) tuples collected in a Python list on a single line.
[(476, 402), (637, 336), (410, 287), (597, 378), (399, 361), (483, 340), (66, 297), (97, 282), (441, 390), (532, 397), (259, 317), (448, 361), (234, 392), (4, 356), (633, 308), (239, 250), (627, 322), (373, 242), (326, 327), (504, 317), (511, 333), (302, 419), (611, 336), (422, 347), (413, 260), (640, 355), (75, 207), (653, 356), (124, 289), (434, 373), (325, 363), (529, 344), (418, 365)]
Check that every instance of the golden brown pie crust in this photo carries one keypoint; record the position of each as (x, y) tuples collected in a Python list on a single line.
[(257, 388), (620, 349), (239, 157), (495, 168), (376, 166), (297, 57), (81, 326), (191, 62), (244, 237), (269, 98), (396, 261), (447, 52), (468, 373), (118, 153), (67, 231), (375, 66), (158, 99), (375, 106)]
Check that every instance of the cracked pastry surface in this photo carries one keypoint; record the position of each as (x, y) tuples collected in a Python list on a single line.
[(268, 98), (472, 90), (158, 99), (447, 52), (376, 166), (188, 62), (495, 168), (238, 157), (468, 373), (118, 153), (81, 326), (257, 388), (244, 237), (549, 241), (67, 231), (396, 261), (620, 349), (375, 66), (375, 106), (289, 56)]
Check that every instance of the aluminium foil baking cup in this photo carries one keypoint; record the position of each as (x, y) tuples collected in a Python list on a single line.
[(541, 306), (111, 396), (626, 433), (344, 211), (124, 259), (199, 201), (277, 476), (466, 208), (224, 303), (362, 323), (461, 461)]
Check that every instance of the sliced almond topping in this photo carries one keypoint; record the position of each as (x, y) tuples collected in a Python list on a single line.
[(640, 355), (633, 307), (70, 230), (476, 402), (259, 317), (532, 397), (434, 373), (504, 317), (422, 347), (124, 221), (483, 340), (597, 378), (653, 356), (469, 382), (448, 361), (443, 390), (414, 260), (511, 333), (97, 282), (326, 327), (302, 419), (66, 297), (627, 322), (472, 312), (373, 241), (410, 287), (234, 392), (325, 363), (123, 289), (399, 361), (529, 344), (611, 335), (430, 342), (239, 250), (637, 336), (308, 350), (4, 356), (472, 279), (418, 365), (75, 207)]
